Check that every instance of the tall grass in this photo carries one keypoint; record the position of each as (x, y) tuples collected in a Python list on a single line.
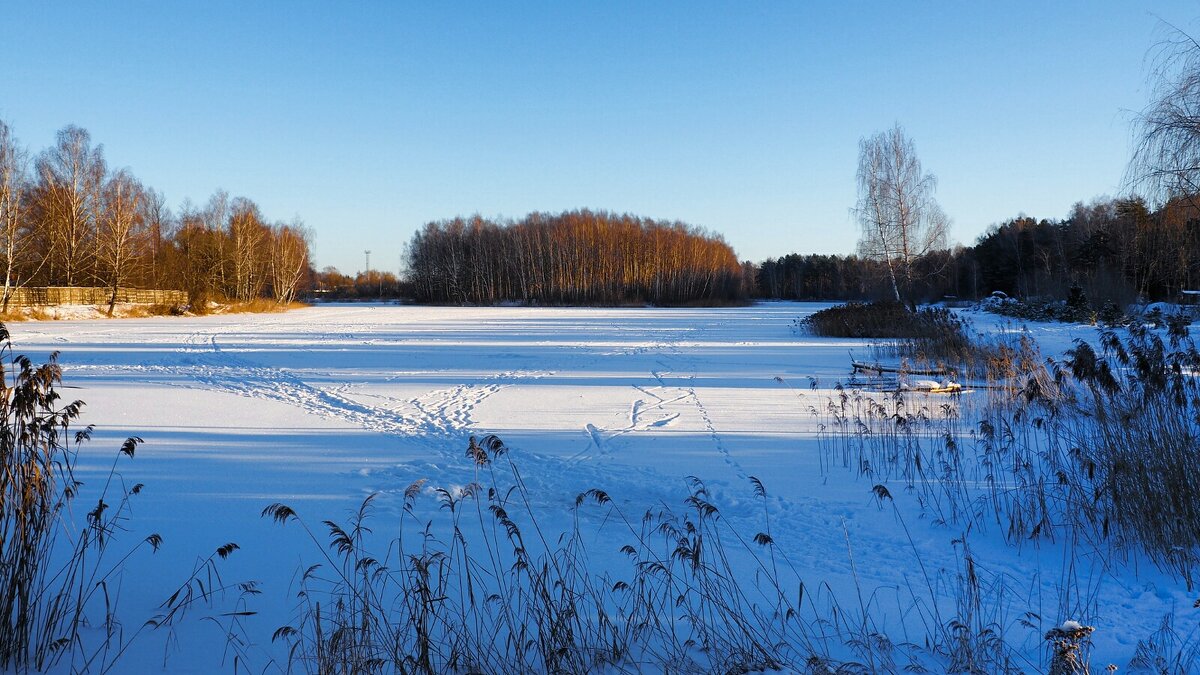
[(1102, 446), (51, 572), (885, 320), (490, 590), (494, 592), (257, 306), (931, 339), (1140, 441), (60, 562), (1097, 452), (1065, 452)]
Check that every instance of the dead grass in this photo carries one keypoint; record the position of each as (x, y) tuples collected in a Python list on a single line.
[(140, 311), (1097, 453), (54, 576), (486, 588), (932, 336), (17, 314), (260, 306), (493, 592)]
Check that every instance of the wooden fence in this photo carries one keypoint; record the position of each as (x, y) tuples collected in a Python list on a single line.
[(88, 295)]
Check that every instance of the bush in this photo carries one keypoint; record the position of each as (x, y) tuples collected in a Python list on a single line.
[(879, 320), (932, 335), (1075, 309)]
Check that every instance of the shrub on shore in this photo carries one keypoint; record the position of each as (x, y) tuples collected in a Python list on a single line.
[(931, 335)]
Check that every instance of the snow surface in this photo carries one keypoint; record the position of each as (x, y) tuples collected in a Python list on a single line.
[(318, 407)]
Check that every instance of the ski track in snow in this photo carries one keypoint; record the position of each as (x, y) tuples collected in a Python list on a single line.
[(437, 417), (441, 420)]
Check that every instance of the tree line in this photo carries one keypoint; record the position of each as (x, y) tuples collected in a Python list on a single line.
[(572, 258), (1114, 250), (330, 284), (67, 219)]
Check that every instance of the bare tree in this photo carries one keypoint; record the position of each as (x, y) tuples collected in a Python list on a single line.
[(573, 257), (71, 174), (120, 231), (248, 238), (64, 220), (289, 260), (1166, 158), (158, 222), (13, 233), (901, 221), (194, 256)]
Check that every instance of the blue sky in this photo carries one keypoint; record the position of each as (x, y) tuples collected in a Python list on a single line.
[(367, 120)]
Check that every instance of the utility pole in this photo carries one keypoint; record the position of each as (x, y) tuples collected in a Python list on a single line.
[(366, 275)]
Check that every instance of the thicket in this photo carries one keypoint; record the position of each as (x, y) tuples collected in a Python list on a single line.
[(1140, 447), (68, 219), (1075, 309), (330, 284), (1103, 444), (883, 320), (572, 258), (931, 337)]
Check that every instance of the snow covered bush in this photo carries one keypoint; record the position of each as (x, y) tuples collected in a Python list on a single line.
[(1074, 309), (1069, 644)]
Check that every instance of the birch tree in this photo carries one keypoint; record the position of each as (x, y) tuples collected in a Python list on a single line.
[(120, 232), (247, 236), (71, 174), (289, 260), (156, 217), (1166, 159), (900, 219), (13, 232)]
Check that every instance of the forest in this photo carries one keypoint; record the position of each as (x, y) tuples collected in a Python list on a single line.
[(1143, 246), (68, 219), (572, 258), (1115, 250)]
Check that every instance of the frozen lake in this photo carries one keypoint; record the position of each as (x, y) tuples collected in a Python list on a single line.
[(319, 407)]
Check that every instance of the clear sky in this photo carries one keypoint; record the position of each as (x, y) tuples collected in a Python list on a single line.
[(367, 120)]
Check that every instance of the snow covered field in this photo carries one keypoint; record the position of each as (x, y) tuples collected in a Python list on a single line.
[(319, 407)]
